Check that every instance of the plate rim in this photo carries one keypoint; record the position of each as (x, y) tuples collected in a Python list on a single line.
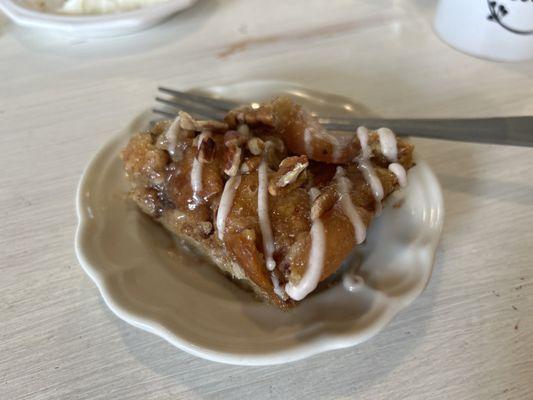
[(322, 343)]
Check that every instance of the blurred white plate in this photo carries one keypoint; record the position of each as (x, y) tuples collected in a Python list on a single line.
[(42, 14), (151, 284)]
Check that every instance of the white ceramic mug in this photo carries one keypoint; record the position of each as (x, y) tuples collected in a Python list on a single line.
[(499, 30)]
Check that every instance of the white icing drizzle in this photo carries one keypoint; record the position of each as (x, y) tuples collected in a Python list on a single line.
[(352, 282), (313, 194), (315, 264), (196, 177), (362, 135), (344, 186), (172, 135), (372, 179), (388, 144), (196, 170), (365, 166), (226, 203), (264, 219), (398, 170), (278, 290), (337, 151)]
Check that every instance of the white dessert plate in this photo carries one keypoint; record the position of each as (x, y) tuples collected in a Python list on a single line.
[(43, 14), (149, 282)]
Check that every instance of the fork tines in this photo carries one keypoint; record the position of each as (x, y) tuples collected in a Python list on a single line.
[(201, 106), (193, 103)]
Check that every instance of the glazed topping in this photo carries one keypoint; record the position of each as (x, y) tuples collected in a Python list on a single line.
[(387, 142), (362, 135), (278, 290), (251, 144), (172, 135), (366, 167), (181, 127), (315, 264), (313, 194), (226, 202), (389, 149), (344, 187), (264, 218), (372, 179), (196, 170), (399, 171)]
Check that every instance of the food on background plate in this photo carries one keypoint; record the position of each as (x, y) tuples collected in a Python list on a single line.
[(268, 195), (104, 6)]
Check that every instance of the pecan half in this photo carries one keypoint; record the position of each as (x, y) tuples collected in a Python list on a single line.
[(187, 122), (262, 115), (212, 125), (289, 170), (232, 160), (324, 202), (206, 151), (250, 164), (244, 129), (256, 146), (234, 138)]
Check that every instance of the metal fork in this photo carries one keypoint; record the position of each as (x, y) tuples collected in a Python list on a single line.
[(517, 131)]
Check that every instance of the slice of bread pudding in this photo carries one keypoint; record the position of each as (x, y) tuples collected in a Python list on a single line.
[(268, 195)]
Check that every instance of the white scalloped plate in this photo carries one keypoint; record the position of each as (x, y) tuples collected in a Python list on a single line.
[(151, 284), (42, 14)]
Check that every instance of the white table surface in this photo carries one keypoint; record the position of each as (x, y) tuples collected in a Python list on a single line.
[(468, 336)]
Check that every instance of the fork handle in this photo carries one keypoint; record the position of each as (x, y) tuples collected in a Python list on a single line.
[(516, 131)]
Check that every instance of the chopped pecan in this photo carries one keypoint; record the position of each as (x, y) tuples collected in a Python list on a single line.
[(249, 234), (205, 228), (274, 152), (212, 125), (244, 129), (278, 144), (232, 160), (149, 202), (250, 164), (187, 122), (234, 138), (231, 119), (263, 115), (256, 146), (206, 151), (289, 170), (324, 202)]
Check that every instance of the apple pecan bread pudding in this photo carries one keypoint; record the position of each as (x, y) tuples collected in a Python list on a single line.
[(268, 195)]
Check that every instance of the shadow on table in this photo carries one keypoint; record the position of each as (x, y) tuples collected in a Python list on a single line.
[(176, 28), (346, 372)]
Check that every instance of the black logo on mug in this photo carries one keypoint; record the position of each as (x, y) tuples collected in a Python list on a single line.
[(506, 9)]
